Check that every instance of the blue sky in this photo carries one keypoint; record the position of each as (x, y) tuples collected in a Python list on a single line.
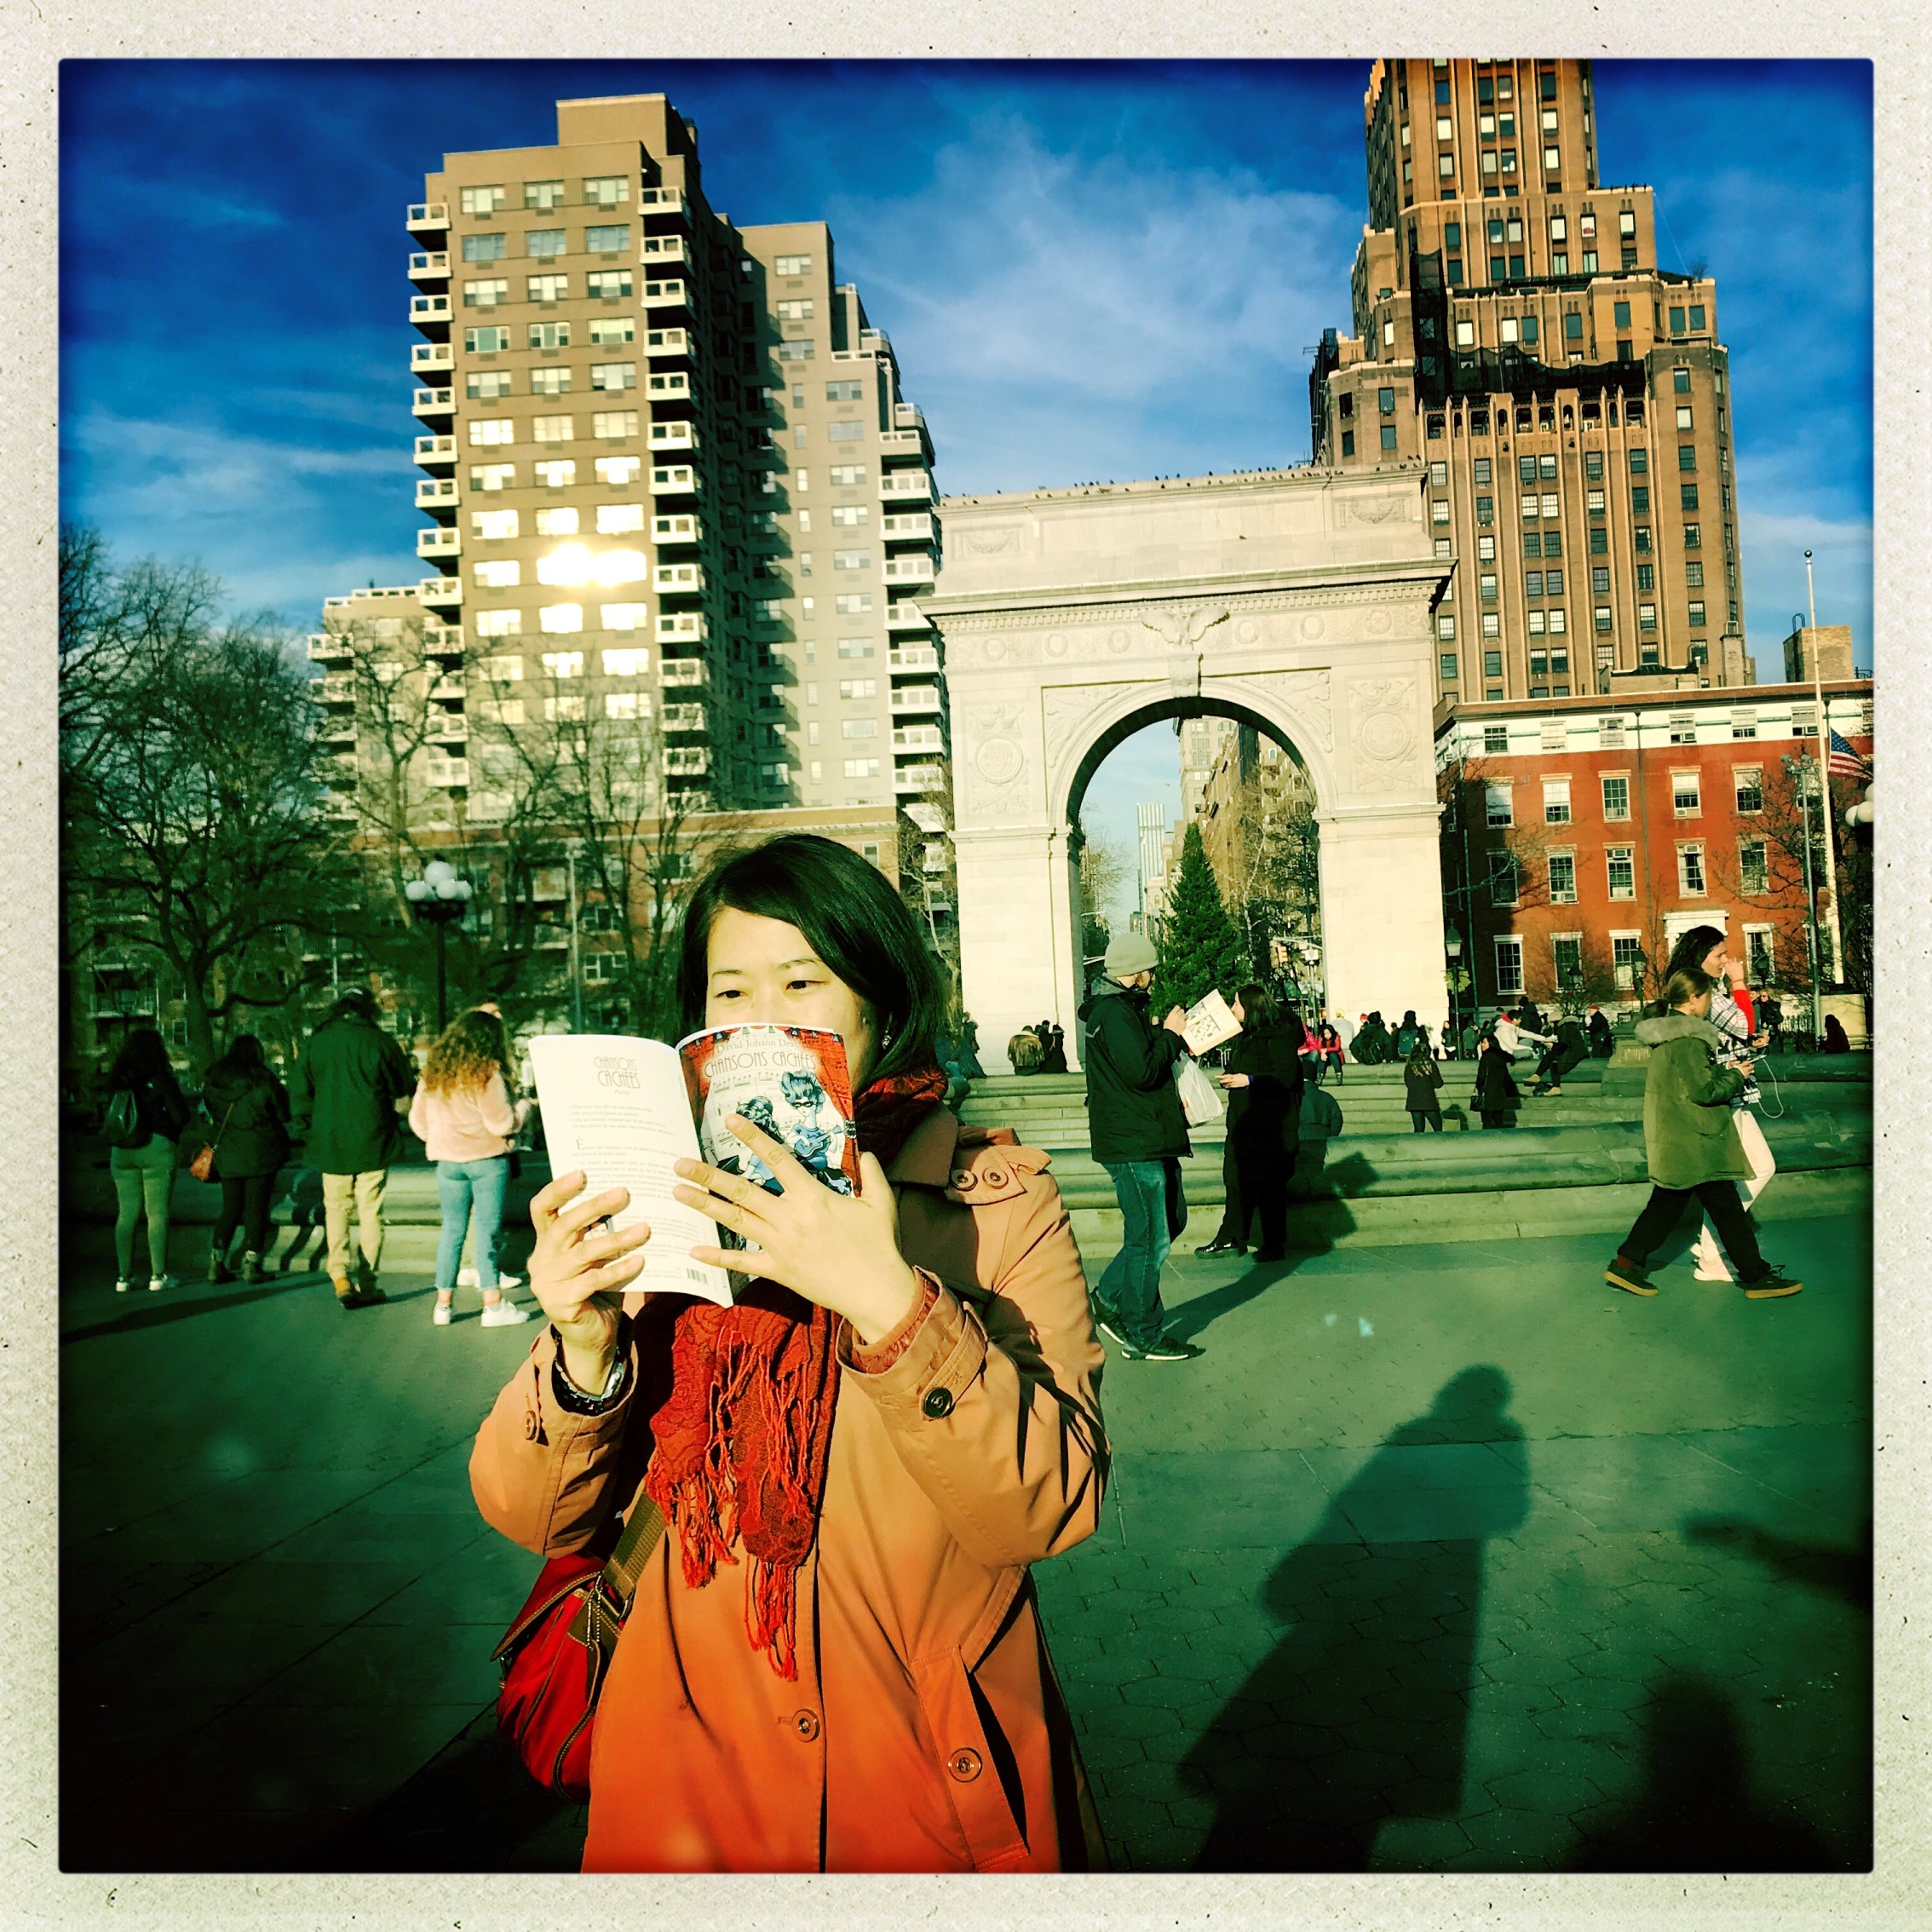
[(1088, 270)]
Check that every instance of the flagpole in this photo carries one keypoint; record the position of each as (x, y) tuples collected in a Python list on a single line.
[(1825, 782)]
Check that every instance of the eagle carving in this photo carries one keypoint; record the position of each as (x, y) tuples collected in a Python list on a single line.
[(1183, 630)]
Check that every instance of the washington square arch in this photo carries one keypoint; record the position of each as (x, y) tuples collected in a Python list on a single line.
[(1301, 602)]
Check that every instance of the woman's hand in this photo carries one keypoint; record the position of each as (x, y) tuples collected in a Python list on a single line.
[(1176, 1020), (578, 1271), (839, 1250), (1234, 1079)]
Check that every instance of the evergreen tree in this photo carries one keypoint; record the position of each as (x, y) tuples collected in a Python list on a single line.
[(1200, 949)]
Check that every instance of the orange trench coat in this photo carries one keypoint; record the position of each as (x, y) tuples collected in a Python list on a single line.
[(924, 1731)]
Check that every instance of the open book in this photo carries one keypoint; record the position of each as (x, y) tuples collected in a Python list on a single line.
[(623, 1109), (1210, 1021)]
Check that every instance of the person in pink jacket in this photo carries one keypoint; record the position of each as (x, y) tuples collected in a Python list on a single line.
[(833, 1661), (464, 1117)]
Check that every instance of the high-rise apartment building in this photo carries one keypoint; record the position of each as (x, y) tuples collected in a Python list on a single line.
[(632, 414), (1513, 330)]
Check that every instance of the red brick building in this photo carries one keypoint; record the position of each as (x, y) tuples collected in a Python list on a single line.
[(1582, 836)]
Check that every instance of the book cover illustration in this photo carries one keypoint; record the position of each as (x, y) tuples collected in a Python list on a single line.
[(791, 1083), (1211, 1023)]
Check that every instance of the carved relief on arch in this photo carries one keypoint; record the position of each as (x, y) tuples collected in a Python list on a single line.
[(1384, 733), (992, 756), (1302, 694)]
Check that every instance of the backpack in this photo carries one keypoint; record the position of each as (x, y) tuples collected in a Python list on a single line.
[(1321, 1115), (122, 1125)]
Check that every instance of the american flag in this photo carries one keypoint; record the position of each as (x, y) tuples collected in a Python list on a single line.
[(1845, 763)]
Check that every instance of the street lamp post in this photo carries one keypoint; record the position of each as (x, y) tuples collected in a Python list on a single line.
[(1830, 929), (1452, 946), (441, 898)]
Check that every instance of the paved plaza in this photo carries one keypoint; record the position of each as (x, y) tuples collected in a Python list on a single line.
[(1442, 1557)]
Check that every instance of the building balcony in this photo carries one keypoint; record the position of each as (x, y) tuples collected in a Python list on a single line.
[(334, 687), (914, 778), (437, 493), (659, 251), (681, 627), (674, 435), (905, 417), (916, 568), (440, 590), (906, 486), (677, 529), (913, 656), (442, 641), (433, 406), (675, 480), (905, 442), (428, 218), (683, 674), (669, 385), (668, 295), (446, 774), (449, 731), (439, 542), (900, 529), (431, 314), (664, 201), (428, 358), (678, 579), (906, 617), (917, 698), (684, 717), (425, 269), (448, 691), (917, 738), (436, 453), (325, 648), (687, 761), (671, 345), (339, 730)]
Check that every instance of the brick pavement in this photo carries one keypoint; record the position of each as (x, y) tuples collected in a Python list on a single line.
[(1441, 1558)]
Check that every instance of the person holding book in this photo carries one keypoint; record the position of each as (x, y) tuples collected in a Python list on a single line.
[(832, 1661)]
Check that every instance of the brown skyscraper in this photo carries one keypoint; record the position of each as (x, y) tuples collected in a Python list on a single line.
[(1514, 332)]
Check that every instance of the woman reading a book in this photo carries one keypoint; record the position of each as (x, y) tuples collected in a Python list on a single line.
[(832, 1661)]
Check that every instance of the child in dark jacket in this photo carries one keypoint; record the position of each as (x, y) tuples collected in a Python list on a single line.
[(1690, 1139)]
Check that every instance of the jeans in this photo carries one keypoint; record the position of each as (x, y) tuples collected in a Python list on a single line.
[(1130, 1287), (367, 1190), (1719, 1200), (461, 1185), (144, 1179), (244, 1205), (1427, 1117)]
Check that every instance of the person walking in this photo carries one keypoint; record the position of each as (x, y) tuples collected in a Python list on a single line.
[(345, 1090), (146, 1112), (1264, 1080), (1691, 1143), (463, 1115), (1705, 948), (833, 1660), (1138, 1132), (1497, 1096), (248, 1113), (1422, 1088)]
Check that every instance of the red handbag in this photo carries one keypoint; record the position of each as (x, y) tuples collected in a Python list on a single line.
[(555, 1656)]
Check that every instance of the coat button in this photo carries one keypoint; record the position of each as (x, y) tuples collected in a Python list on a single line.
[(806, 1723), (964, 1765), (962, 1178), (995, 1177), (531, 1425), (937, 1404)]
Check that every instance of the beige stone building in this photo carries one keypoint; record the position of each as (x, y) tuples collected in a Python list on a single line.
[(670, 478), (1512, 329)]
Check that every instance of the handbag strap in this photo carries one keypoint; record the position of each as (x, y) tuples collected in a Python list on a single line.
[(223, 1127), (642, 1532)]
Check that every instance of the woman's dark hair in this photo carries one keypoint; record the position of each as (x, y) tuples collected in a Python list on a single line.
[(1685, 984), (1693, 948), (1260, 1005), (1409, 1018), (142, 1057), (853, 921), (243, 1060)]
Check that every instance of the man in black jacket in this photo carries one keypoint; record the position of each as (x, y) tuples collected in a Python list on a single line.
[(1138, 1133)]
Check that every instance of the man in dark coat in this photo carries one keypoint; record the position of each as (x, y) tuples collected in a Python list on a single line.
[(1138, 1133), (346, 1091)]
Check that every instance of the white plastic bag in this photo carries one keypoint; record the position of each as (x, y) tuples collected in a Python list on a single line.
[(1200, 1100)]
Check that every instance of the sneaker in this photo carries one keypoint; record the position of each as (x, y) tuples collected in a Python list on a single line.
[(1622, 1274), (1109, 1325), (156, 1283), (503, 1314), (445, 1314), (122, 1287), (1167, 1349), (1770, 1286), (466, 1278), (251, 1266)]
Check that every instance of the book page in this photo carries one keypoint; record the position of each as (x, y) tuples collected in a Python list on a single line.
[(1210, 1022), (618, 1108)]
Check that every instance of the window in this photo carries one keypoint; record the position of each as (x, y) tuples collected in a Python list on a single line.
[(852, 559), (613, 237), (553, 429), (1626, 952), (488, 385), (1602, 615), (1640, 498), (609, 331), (1694, 612), (1572, 327), (1389, 435), (1491, 624), (851, 603), (1562, 879), (547, 288), (1690, 871), (858, 727), (1438, 510), (500, 623), (1492, 667), (549, 335), (484, 248), (1696, 317), (613, 519), (1465, 335), (620, 471), (1620, 863), (1505, 879), (856, 646), (1497, 798), (1754, 874), (1486, 514), (493, 476), (625, 617), (544, 195), (1647, 617), (499, 575), (493, 524), (1533, 583), (485, 294), (859, 686), (1760, 961), (1348, 442), (845, 432), (1593, 502), (1530, 502), (1616, 798), (1445, 627), (559, 620), (479, 200), (1509, 965), (1686, 794), (1508, 329), (1750, 782), (607, 285), (845, 392), (793, 265), (1486, 550), (1446, 667), (861, 767), (544, 241), (613, 425), (798, 309), (558, 473), (1556, 800), (551, 381), (1687, 456), (487, 430)]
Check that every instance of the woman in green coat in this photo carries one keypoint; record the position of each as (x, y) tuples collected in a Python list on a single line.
[(1691, 1143)]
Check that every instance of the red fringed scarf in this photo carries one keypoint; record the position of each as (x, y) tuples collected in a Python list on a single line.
[(742, 1439)]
